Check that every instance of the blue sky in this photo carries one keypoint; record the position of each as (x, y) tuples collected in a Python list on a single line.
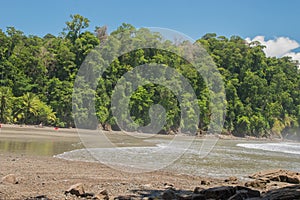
[(246, 18)]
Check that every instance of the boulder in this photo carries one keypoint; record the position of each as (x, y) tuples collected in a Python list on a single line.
[(285, 193), (244, 193), (10, 178), (184, 196), (76, 189), (127, 197), (169, 195), (198, 190), (198, 197), (278, 175), (223, 192)]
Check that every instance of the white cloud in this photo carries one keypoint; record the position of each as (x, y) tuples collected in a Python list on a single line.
[(279, 47), (295, 56)]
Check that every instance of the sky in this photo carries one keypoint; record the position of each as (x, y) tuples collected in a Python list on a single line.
[(275, 23)]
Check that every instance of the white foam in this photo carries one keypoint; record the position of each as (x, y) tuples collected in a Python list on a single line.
[(283, 147)]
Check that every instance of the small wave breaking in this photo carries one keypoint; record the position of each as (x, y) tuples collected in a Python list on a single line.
[(283, 147)]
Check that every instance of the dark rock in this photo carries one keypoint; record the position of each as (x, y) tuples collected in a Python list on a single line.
[(87, 195), (198, 190), (293, 179), (169, 195), (198, 197), (40, 197), (10, 178), (104, 192), (223, 192), (251, 193), (239, 196), (76, 189), (184, 196), (244, 193), (205, 182), (286, 193), (127, 197)]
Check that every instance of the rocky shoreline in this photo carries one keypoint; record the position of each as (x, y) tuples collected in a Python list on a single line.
[(43, 178)]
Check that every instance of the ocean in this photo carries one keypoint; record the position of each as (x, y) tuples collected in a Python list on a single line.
[(193, 156)]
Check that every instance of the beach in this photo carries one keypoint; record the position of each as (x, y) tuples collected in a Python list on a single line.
[(43, 174)]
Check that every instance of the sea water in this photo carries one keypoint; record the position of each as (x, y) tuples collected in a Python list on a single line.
[(224, 158)]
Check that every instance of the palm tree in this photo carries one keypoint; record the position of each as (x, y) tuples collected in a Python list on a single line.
[(28, 107)]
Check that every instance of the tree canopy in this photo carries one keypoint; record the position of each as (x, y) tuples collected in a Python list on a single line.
[(37, 78)]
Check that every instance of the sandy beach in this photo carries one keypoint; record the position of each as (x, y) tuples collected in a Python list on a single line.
[(49, 176), (46, 175)]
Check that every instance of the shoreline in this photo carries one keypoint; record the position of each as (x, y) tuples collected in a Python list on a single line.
[(53, 129), (39, 175), (50, 177)]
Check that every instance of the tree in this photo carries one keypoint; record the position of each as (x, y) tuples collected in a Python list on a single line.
[(5, 104), (37, 78), (75, 26), (26, 107)]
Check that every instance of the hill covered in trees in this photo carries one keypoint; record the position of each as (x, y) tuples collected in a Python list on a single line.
[(37, 77)]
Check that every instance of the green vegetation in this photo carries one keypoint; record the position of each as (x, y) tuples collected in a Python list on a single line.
[(37, 77)]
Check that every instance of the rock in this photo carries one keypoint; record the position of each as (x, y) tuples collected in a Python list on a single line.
[(254, 193), (76, 189), (256, 184), (168, 185), (223, 192), (100, 197), (205, 182), (147, 186), (198, 190), (198, 197), (107, 127), (190, 197), (184, 196), (104, 192), (244, 193), (103, 195), (295, 179), (87, 195), (231, 179), (126, 197), (10, 178), (169, 195), (278, 175), (286, 193), (40, 197)]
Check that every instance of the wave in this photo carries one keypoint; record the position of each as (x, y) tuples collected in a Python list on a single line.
[(283, 147)]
